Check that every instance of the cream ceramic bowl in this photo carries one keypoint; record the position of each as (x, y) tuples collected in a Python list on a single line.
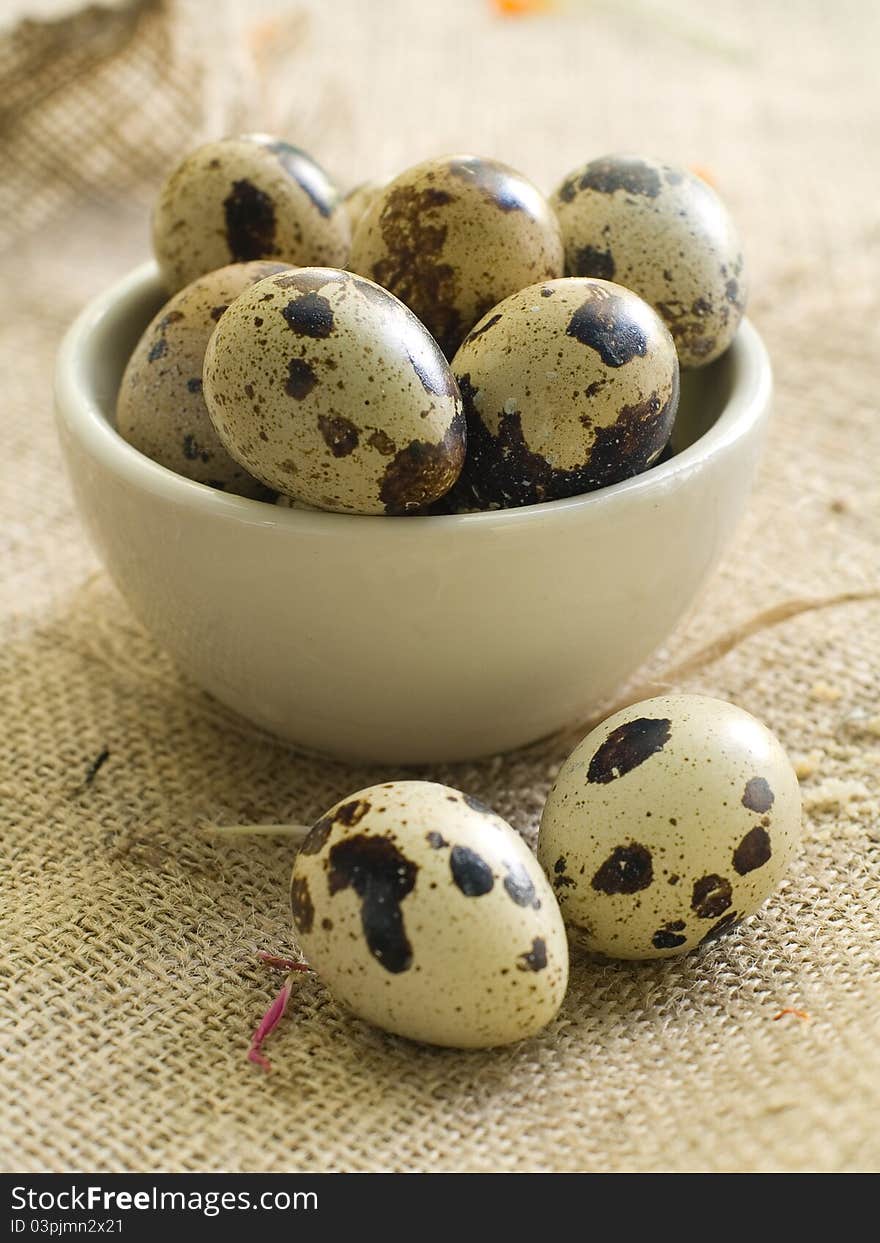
[(406, 640)]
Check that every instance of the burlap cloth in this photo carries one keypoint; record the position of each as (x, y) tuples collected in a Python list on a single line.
[(130, 934)]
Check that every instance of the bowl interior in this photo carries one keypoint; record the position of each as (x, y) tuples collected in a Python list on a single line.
[(704, 393)]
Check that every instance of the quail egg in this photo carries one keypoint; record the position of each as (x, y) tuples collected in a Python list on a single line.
[(161, 408), (426, 914), (663, 232), (453, 236), (669, 823), (567, 386), (326, 388), (252, 197)]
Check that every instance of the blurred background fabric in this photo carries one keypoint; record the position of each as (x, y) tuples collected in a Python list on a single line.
[(130, 933)]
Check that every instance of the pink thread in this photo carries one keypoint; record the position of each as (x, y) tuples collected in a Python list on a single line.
[(275, 1013), (269, 1022)]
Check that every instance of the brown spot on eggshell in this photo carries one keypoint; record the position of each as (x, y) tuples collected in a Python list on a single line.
[(436, 198), (567, 192), (382, 442), (628, 746), (757, 795), (309, 316), (340, 434), (301, 379), (711, 896), (520, 887), (470, 872), (250, 222), (301, 904), (436, 840), (316, 838), (559, 878), (753, 851), (477, 804), (669, 936), (534, 959), (381, 876), (502, 470), (593, 261), (604, 325), (624, 448), (409, 268), (627, 869), (193, 451), (421, 470), (352, 812), (612, 173)]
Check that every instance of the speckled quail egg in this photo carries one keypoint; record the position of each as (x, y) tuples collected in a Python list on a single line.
[(567, 386), (453, 236), (671, 821), (426, 914), (252, 197), (359, 199), (161, 408), (663, 232), (328, 389)]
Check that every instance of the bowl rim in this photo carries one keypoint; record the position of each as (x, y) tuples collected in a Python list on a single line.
[(78, 408)]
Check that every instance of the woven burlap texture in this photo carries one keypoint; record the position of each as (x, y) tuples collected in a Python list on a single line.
[(130, 932)]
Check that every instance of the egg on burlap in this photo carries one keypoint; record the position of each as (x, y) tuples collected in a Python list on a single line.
[(669, 823), (425, 913)]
